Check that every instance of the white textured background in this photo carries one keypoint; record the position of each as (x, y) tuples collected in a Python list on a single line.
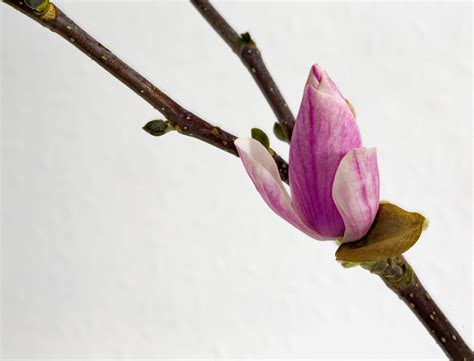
[(119, 244)]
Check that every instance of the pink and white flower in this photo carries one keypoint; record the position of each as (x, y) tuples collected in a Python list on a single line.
[(334, 181)]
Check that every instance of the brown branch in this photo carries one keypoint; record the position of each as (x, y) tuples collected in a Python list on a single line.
[(399, 276), (184, 121), (244, 47), (396, 273)]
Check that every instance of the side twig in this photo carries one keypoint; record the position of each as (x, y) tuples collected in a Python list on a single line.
[(183, 121), (245, 48)]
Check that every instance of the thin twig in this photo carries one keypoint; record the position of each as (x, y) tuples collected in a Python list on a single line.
[(245, 48), (184, 121)]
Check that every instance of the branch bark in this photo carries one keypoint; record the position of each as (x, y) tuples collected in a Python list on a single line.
[(399, 276), (183, 121), (245, 48)]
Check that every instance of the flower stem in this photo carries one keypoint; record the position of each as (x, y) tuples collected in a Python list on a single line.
[(399, 276), (245, 48)]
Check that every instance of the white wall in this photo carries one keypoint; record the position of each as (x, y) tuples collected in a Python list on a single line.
[(119, 244)]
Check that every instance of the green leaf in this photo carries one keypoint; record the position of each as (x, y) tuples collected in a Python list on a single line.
[(393, 232), (260, 136)]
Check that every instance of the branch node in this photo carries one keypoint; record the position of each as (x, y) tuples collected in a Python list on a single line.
[(49, 13)]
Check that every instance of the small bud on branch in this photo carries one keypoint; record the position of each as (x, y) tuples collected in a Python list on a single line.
[(37, 5), (158, 127), (260, 136), (278, 131)]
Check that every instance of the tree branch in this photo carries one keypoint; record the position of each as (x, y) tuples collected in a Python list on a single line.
[(396, 272), (399, 276), (244, 47), (183, 121)]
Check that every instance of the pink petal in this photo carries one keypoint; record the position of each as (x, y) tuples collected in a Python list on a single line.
[(263, 171), (356, 192), (325, 131), (320, 80)]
